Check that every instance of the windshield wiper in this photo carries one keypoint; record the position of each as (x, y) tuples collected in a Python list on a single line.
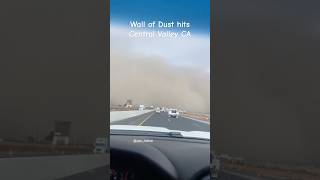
[(175, 134), (148, 133)]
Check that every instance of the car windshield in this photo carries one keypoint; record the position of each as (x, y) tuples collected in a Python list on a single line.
[(160, 81), (138, 104)]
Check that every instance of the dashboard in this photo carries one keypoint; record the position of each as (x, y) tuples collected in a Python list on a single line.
[(152, 157)]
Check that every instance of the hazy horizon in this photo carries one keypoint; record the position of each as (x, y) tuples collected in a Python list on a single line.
[(171, 72)]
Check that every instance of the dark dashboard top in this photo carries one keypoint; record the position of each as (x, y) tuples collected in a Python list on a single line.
[(164, 157)]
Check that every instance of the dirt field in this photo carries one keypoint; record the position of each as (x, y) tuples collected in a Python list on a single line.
[(203, 117)]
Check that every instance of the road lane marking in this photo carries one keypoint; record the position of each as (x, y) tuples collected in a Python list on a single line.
[(196, 124), (145, 119)]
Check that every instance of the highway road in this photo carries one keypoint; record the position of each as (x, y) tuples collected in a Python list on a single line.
[(162, 120), (100, 173), (228, 175)]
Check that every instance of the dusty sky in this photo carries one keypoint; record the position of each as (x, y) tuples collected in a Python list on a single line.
[(266, 86), (150, 80), (156, 71), (161, 72)]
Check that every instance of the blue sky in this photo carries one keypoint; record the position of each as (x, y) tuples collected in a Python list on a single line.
[(197, 12), (182, 53)]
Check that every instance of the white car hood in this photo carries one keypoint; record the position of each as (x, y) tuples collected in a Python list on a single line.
[(191, 134)]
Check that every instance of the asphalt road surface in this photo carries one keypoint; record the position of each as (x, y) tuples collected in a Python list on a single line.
[(162, 120), (100, 173), (227, 175)]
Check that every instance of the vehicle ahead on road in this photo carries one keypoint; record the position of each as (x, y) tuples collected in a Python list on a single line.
[(158, 110), (173, 113), (141, 107), (147, 152)]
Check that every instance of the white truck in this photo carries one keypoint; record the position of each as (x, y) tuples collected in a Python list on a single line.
[(141, 107), (173, 113), (100, 145)]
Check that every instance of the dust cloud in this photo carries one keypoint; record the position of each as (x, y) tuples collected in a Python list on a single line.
[(266, 86), (150, 80)]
